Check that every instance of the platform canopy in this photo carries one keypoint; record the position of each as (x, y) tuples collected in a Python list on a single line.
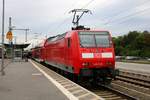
[(18, 46)]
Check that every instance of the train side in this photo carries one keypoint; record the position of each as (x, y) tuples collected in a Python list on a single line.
[(82, 53), (0, 52), (37, 54)]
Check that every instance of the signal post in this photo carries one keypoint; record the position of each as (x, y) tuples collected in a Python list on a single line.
[(9, 36), (3, 18)]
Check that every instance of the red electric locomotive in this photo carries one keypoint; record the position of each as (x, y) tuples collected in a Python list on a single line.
[(82, 53)]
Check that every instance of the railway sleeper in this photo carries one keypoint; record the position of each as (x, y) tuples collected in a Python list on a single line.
[(137, 82), (131, 92), (138, 76), (133, 86)]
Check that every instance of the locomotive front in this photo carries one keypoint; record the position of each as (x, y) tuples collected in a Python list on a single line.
[(97, 57)]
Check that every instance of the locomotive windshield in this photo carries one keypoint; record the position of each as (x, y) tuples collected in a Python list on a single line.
[(94, 39)]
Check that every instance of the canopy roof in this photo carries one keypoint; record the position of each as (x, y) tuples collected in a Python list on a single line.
[(18, 46)]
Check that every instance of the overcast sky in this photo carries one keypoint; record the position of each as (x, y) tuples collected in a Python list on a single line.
[(50, 17)]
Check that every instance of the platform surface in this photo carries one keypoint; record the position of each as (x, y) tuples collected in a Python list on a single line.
[(24, 82), (144, 68)]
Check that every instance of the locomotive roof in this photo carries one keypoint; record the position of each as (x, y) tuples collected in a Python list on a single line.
[(56, 37), (62, 35)]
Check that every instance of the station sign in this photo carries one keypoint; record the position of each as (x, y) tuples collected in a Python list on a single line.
[(9, 35)]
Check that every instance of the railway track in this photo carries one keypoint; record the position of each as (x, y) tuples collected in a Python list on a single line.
[(106, 92), (133, 83), (135, 78), (128, 85), (109, 93)]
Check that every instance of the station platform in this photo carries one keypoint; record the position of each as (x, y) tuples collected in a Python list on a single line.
[(140, 68), (24, 82), (33, 81)]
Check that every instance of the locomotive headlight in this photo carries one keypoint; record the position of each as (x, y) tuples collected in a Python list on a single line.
[(108, 63), (85, 64)]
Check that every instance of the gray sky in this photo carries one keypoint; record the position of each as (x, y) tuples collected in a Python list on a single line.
[(50, 17)]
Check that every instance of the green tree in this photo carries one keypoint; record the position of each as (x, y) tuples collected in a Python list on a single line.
[(133, 44)]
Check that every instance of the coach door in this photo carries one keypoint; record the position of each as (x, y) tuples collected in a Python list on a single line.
[(68, 51)]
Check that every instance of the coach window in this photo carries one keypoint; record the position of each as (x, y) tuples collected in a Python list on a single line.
[(69, 42)]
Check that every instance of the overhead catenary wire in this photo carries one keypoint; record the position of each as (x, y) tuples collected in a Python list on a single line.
[(125, 18), (87, 4), (73, 5), (110, 21), (134, 15), (128, 16), (65, 20), (121, 12)]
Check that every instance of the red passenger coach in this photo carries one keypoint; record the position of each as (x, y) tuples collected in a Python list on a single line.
[(38, 52), (83, 53)]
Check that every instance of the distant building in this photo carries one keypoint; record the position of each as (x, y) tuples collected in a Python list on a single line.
[(15, 50)]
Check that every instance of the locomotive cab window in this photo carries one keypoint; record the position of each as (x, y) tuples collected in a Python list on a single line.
[(68, 42), (94, 39), (102, 40)]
